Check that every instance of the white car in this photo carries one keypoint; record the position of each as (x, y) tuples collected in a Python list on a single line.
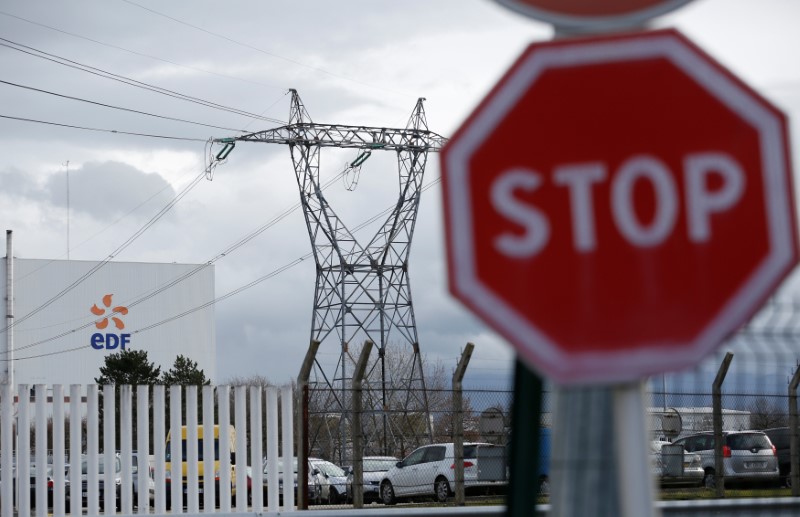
[(430, 471), (690, 474), (374, 468), (336, 477)]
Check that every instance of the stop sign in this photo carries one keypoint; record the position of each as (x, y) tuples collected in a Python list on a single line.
[(617, 206)]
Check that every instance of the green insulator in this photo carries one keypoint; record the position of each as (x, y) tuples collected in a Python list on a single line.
[(361, 158), (225, 151)]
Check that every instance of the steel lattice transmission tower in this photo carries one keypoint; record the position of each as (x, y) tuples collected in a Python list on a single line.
[(362, 291)]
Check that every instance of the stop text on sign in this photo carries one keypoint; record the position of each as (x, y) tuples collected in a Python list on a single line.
[(700, 201)]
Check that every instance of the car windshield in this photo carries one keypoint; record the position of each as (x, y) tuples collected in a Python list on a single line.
[(376, 465), (329, 468)]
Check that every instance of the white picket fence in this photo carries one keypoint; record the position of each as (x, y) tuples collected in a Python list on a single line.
[(51, 449)]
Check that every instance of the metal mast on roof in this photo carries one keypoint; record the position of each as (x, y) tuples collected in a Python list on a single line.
[(362, 291)]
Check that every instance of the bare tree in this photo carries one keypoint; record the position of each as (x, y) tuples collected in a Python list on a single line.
[(767, 414)]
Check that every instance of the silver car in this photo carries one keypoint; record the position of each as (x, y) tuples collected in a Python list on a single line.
[(335, 476), (747, 456), (374, 469)]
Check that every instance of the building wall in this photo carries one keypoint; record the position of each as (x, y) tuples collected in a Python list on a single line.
[(53, 339)]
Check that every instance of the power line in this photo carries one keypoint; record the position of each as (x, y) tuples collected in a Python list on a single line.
[(113, 254), (101, 130), (262, 51), (31, 88), (25, 49), (230, 294), (109, 45), (224, 253)]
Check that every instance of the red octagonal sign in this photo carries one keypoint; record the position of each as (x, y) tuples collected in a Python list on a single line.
[(617, 206)]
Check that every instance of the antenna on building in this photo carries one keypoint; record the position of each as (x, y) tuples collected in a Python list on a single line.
[(66, 165)]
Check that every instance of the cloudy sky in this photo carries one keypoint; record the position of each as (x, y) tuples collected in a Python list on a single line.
[(353, 62)]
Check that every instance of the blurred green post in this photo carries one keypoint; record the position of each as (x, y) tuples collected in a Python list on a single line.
[(523, 488)]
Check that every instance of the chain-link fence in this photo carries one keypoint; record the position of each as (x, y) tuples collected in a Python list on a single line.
[(409, 454)]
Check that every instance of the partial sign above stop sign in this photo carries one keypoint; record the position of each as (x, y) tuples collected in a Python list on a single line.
[(617, 206), (595, 15)]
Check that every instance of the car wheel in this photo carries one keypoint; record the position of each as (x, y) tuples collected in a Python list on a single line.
[(709, 481), (333, 496), (387, 493), (442, 490)]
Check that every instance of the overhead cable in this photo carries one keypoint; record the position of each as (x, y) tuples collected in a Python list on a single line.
[(265, 52), (85, 128), (141, 54), (209, 303), (25, 49), (119, 249), (31, 88)]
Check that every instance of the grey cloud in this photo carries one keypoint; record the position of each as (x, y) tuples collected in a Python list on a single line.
[(107, 190), (16, 183)]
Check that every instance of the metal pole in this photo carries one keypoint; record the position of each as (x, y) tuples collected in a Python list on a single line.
[(716, 401), (588, 418), (302, 423), (635, 477), (9, 308), (794, 452), (458, 423), (358, 435)]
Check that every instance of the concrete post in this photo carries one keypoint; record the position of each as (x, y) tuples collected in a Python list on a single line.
[(302, 423), (794, 453), (357, 432), (716, 401), (458, 423)]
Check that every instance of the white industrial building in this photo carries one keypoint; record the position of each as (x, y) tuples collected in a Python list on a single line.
[(69, 314)]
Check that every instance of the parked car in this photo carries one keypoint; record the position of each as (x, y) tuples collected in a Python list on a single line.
[(316, 484), (747, 456), (49, 482), (117, 478), (779, 436), (336, 477), (140, 461), (691, 473), (430, 471), (375, 468)]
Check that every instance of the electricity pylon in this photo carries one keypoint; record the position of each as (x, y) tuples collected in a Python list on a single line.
[(362, 291)]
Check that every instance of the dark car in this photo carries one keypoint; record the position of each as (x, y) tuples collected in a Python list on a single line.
[(116, 477), (779, 436)]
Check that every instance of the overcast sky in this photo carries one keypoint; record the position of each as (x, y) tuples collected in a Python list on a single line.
[(353, 62)]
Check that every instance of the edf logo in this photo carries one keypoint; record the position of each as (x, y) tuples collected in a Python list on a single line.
[(109, 341)]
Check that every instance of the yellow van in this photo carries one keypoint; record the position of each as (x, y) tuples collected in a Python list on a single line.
[(201, 464)]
